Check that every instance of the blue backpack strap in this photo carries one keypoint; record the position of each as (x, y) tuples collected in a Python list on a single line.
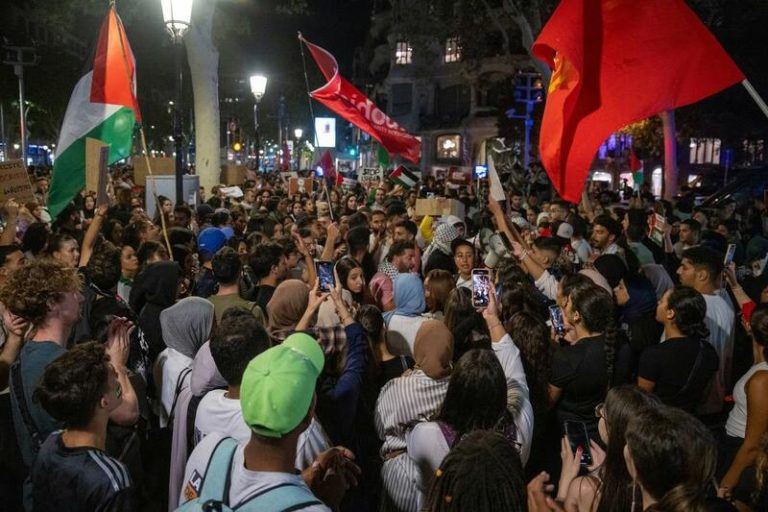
[(218, 474), (285, 497)]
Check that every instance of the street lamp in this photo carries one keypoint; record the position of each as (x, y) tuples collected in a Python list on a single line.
[(177, 15), (258, 88), (298, 132)]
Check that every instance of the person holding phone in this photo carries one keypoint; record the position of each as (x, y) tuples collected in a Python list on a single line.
[(582, 370), (607, 482)]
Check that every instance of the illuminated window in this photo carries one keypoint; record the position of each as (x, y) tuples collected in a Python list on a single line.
[(448, 147), (452, 50), (403, 53)]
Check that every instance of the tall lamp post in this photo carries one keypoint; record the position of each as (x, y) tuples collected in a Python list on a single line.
[(258, 87), (177, 15), (298, 132)]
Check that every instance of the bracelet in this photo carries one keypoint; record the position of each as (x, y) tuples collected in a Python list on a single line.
[(497, 324)]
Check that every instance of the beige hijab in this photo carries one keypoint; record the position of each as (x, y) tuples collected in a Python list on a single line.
[(433, 349), (286, 307)]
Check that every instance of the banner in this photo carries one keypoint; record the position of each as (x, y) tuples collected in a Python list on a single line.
[(347, 101), (14, 182)]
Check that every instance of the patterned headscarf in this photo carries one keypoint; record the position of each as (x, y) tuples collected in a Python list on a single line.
[(444, 235)]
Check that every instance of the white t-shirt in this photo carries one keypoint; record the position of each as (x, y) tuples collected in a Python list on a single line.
[(401, 333), (217, 413), (243, 482), (168, 367), (720, 322)]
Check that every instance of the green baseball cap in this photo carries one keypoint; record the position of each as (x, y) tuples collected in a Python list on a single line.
[(278, 385)]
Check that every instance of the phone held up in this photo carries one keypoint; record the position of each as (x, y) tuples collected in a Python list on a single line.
[(556, 317), (481, 287), (576, 432), (325, 276)]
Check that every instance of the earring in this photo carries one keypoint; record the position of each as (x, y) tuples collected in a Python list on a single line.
[(634, 494)]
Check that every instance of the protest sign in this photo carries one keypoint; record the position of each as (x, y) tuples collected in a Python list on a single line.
[(92, 161), (161, 166), (300, 186), (14, 182), (368, 175), (102, 199)]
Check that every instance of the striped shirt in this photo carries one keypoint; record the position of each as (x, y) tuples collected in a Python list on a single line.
[(79, 479), (415, 397)]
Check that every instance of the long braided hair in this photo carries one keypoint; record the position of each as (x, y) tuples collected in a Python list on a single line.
[(482, 473), (596, 307)]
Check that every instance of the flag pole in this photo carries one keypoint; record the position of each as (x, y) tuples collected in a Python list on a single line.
[(755, 96), (143, 138), (312, 114)]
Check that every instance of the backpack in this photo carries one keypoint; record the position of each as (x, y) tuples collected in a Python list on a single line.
[(214, 489)]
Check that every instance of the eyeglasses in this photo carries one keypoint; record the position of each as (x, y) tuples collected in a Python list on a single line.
[(600, 411)]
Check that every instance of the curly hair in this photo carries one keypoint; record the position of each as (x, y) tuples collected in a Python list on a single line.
[(73, 384), (105, 266), (31, 290)]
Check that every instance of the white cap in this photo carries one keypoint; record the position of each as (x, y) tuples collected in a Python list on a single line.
[(565, 230)]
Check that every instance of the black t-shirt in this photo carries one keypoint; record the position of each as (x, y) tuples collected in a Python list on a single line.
[(580, 371), (441, 261), (669, 365), (79, 479), (261, 295)]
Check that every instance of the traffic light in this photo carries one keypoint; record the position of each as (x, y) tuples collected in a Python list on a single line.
[(237, 146), (352, 151)]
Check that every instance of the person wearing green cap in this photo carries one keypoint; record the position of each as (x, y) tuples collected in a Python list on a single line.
[(277, 397)]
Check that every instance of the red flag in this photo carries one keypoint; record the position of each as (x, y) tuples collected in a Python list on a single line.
[(114, 68), (326, 164), (616, 62), (346, 100), (635, 164), (285, 158)]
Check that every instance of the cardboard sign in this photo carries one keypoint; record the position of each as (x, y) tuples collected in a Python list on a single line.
[(102, 198), (368, 175), (92, 162), (658, 225), (14, 182), (233, 174), (439, 207), (300, 186), (161, 166)]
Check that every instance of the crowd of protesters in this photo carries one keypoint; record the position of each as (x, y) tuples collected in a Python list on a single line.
[(197, 360)]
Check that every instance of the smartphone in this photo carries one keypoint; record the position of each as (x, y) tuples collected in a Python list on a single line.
[(556, 316), (481, 287), (576, 432), (325, 276), (729, 254)]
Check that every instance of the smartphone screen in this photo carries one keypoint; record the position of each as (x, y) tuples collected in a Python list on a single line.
[(576, 432), (325, 275), (729, 254), (556, 316), (481, 287)]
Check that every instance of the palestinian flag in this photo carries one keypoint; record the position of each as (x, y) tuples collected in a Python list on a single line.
[(103, 106), (404, 177)]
